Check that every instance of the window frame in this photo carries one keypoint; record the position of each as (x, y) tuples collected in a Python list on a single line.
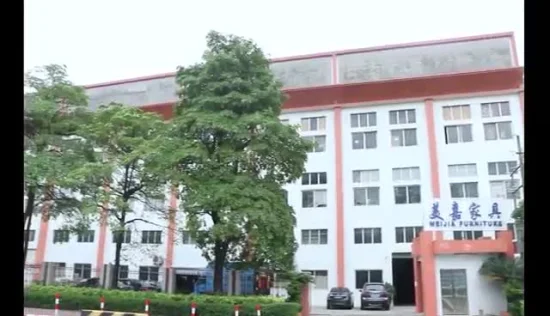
[(408, 113), (460, 139), (87, 236), (403, 138), (315, 193), (408, 188), (356, 119), (365, 143), (319, 232), (402, 232), (368, 235), (156, 239), (465, 192)]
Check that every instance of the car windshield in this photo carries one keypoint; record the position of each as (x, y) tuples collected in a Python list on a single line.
[(374, 287), (339, 289)]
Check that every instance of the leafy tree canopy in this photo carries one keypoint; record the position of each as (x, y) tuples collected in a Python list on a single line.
[(232, 155), (122, 174)]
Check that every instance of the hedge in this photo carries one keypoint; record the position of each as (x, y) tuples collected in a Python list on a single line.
[(161, 304)]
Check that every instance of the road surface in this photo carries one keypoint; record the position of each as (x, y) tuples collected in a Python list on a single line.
[(395, 311)]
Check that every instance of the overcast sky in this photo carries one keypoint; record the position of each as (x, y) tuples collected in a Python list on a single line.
[(103, 40)]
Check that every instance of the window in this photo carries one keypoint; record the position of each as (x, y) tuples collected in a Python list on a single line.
[(454, 292), (402, 117), (505, 189), (310, 124), (29, 235), (186, 238), (123, 272), (456, 112), (151, 237), (314, 178), (467, 235), (363, 140), (363, 119), (498, 130), (464, 190), (463, 170), (367, 276), (501, 167), (368, 235), (403, 137), (126, 236), (85, 236), (406, 174), (314, 236), (319, 143), (60, 236), (314, 198), (82, 271), (495, 109), (320, 278), (366, 176), (366, 196), (406, 234), (149, 274), (407, 194), (455, 134)]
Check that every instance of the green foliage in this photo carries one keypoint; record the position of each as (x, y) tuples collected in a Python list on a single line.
[(296, 282), (510, 273), (53, 111), (389, 288), (122, 174), (232, 155), (161, 304), (518, 213)]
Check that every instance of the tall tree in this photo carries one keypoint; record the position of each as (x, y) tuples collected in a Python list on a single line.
[(233, 156), (122, 135), (54, 108)]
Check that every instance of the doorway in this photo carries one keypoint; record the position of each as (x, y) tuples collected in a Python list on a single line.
[(403, 279), (185, 284)]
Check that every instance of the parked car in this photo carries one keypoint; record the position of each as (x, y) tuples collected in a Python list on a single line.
[(375, 295), (91, 282), (129, 284), (340, 297), (150, 286)]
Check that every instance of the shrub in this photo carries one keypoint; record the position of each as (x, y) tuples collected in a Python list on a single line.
[(161, 304)]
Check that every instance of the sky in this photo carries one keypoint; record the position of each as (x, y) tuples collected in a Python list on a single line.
[(104, 40)]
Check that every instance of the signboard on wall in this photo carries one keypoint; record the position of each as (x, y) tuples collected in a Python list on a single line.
[(460, 215)]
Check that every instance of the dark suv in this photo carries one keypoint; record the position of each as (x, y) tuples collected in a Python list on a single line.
[(375, 295), (340, 297)]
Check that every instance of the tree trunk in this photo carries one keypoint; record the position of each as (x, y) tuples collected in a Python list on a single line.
[(29, 210), (118, 249), (220, 253)]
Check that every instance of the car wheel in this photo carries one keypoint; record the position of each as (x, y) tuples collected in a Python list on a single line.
[(387, 307), (362, 307), (329, 306), (350, 307)]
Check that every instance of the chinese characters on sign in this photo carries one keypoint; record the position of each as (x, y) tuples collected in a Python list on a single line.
[(462, 215)]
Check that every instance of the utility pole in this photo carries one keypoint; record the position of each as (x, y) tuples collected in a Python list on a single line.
[(520, 156), (519, 226)]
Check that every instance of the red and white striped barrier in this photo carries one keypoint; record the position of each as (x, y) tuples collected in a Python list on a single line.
[(57, 296), (258, 310), (237, 310), (102, 302), (147, 306), (193, 309)]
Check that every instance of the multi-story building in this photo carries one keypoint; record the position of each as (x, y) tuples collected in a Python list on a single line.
[(396, 128)]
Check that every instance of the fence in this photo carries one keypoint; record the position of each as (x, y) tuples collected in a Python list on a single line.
[(59, 274)]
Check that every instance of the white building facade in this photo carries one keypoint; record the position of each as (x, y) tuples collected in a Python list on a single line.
[(397, 128)]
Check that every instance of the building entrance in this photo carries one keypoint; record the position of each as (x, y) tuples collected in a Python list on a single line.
[(403, 279)]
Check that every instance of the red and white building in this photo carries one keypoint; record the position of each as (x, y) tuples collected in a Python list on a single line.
[(397, 128)]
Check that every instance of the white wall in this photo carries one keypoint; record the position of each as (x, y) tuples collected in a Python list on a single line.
[(483, 294), (387, 215)]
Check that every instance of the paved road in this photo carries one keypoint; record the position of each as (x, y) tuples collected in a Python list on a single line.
[(395, 311), (48, 312)]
